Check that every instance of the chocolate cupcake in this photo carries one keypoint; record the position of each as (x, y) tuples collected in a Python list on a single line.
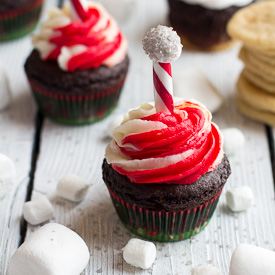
[(202, 23), (165, 182), (165, 167), (18, 18), (78, 68)]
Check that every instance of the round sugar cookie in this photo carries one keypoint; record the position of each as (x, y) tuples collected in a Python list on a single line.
[(259, 67), (255, 96), (251, 112), (254, 25), (259, 82), (268, 59)]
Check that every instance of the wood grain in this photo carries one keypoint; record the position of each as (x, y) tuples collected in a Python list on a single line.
[(16, 141), (80, 150), (16, 138)]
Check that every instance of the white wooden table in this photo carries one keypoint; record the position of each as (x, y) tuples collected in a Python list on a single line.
[(44, 151)]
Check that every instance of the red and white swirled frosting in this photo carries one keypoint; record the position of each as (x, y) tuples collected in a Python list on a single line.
[(151, 147), (81, 45)]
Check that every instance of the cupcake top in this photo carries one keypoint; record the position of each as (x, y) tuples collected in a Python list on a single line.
[(158, 147), (78, 45), (218, 4)]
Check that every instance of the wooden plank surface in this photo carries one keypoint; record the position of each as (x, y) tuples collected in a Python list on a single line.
[(16, 141), (80, 150), (16, 134)]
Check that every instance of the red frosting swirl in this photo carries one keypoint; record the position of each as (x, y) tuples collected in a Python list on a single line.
[(188, 146), (82, 45)]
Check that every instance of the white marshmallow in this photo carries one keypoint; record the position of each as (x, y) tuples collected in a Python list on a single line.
[(205, 270), (72, 187), (193, 84), (234, 140), (7, 175), (121, 10), (114, 123), (5, 93), (52, 250), (252, 260), (239, 198), (139, 253), (38, 210)]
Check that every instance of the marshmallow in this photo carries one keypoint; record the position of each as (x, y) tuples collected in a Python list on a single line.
[(192, 83), (234, 140), (114, 123), (52, 250), (121, 10), (5, 93), (7, 174), (205, 270), (38, 210), (239, 198), (72, 187), (139, 253), (252, 260)]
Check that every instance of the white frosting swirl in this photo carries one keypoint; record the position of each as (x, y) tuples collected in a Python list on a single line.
[(218, 4), (105, 30)]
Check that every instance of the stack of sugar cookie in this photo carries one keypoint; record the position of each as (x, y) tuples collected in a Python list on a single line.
[(255, 27)]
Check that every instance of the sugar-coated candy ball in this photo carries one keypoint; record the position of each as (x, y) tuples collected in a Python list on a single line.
[(162, 44)]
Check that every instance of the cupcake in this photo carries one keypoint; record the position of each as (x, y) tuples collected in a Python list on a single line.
[(202, 23), (165, 167), (17, 18), (79, 64)]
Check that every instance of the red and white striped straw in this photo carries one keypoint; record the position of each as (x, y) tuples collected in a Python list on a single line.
[(162, 77), (80, 9), (162, 44)]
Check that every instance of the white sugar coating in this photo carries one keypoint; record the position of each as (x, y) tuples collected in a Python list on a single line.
[(162, 44), (205, 270)]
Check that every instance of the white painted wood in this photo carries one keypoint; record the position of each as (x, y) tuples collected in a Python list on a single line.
[(16, 141), (16, 138), (80, 150)]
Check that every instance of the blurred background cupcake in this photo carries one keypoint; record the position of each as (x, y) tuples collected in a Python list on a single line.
[(79, 64), (202, 23), (18, 17)]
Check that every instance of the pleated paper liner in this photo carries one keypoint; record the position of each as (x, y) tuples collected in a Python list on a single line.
[(77, 109), (164, 226), (19, 22)]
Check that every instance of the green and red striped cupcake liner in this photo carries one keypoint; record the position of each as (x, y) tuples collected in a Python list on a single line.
[(77, 109), (19, 22), (164, 226)]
